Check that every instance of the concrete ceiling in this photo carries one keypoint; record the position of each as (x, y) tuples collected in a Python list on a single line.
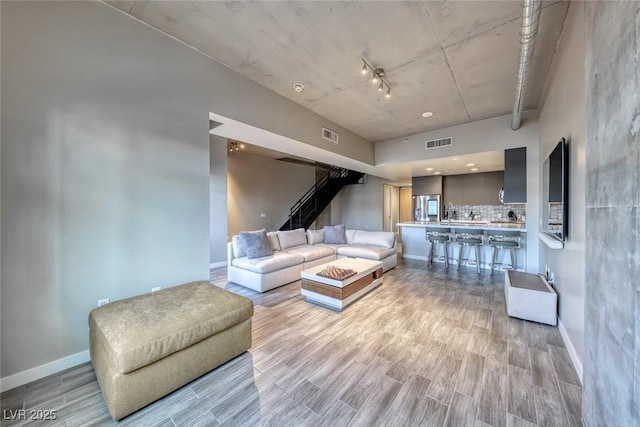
[(456, 59)]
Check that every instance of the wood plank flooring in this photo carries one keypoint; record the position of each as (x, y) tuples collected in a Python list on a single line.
[(427, 348)]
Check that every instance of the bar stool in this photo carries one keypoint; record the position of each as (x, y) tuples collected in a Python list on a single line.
[(471, 238), (504, 239), (439, 235)]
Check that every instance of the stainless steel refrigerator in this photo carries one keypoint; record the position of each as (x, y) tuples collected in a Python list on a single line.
[(426, 208)]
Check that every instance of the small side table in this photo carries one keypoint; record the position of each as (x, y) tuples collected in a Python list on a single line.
[(529, 296)]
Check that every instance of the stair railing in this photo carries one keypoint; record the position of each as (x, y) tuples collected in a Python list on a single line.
[(333, 172)]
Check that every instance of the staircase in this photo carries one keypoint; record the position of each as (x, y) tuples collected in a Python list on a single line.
[(314, 201)]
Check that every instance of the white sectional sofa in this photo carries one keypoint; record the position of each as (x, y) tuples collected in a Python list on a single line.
[(297, 250)]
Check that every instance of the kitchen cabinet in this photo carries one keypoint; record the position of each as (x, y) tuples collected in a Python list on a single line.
[(426, 185), (473, 189), (453, 187), (515, 175), (493, 183)]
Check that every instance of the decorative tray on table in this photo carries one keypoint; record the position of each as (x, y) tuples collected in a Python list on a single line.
[(337, 273)]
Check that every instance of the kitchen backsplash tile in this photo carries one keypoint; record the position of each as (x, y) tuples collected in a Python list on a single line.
[(485, 212)]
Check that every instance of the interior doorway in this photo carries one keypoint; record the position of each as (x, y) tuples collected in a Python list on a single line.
[(390, 203), (406, 204)]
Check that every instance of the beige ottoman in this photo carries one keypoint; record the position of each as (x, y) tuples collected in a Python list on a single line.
[(145, 347)]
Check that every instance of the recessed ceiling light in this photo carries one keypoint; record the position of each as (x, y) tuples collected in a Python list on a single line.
[(474, 169), (429, 169), (471, 164), (427, 114), (298, 87), (436, 173)]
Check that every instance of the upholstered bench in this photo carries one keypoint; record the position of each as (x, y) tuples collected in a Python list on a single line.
[(145, 347)]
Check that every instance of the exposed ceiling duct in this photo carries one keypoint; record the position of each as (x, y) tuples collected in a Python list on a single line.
[(530, 20)]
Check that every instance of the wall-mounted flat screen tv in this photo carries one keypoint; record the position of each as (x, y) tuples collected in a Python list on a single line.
[(556, 192)]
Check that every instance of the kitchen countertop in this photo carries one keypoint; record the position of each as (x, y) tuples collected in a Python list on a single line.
[(468, 224)]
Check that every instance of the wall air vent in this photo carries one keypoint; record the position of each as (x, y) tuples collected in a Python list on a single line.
[(438, 143), (330, 135)]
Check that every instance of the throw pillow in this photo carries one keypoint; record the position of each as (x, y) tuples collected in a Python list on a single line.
[(256, 243), (335, 234), (238, 247), (315, 236)]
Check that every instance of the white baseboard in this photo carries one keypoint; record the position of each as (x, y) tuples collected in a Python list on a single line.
[(420, 257), (217, 264), (577, 363), (33, 374)]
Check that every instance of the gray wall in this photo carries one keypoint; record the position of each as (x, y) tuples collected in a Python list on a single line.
[(361, 204), (261, 185), (105, 166), (612, 317), (562, 115), (105, 180), (217, 200)]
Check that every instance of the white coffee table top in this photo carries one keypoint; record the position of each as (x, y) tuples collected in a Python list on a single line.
[(362, 267)]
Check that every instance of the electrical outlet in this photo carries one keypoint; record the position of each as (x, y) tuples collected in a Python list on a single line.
[(102, 302), (156, 289), (499, 216), (466, 215)]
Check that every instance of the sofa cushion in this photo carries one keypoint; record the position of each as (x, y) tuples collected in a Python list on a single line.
[(349, 235), (138, 331), (291, 238), (333, 246), (368, 252), (385, 239), (334, 234), (277, 261), (256, 243), (273, 239), (311, 253), (315, 236)]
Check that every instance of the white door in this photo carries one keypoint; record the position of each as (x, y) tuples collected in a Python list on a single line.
[(390, 208)]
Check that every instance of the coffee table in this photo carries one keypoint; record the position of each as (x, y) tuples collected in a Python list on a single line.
[(338, 294)]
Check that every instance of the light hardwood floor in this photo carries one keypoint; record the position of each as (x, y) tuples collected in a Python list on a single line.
[(427, 348)]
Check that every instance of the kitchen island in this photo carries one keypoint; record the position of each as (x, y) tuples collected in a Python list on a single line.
[(416, 246)]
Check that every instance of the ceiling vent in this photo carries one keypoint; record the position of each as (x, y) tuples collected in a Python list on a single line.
[(438, 143), (330, 135)]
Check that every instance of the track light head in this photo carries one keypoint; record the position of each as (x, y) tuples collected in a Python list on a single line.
[(388, 95), (381, 87), (364, 68)]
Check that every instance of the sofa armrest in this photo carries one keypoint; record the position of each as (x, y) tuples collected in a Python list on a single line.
[(229, 253)]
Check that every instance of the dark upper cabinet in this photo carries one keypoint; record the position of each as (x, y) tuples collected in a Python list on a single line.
[(426, 185), (493, 182), (515, 175), (473, 189), (453, 187)]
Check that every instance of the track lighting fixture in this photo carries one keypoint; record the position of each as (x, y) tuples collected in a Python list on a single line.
[(233, 146), (377, 75)]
